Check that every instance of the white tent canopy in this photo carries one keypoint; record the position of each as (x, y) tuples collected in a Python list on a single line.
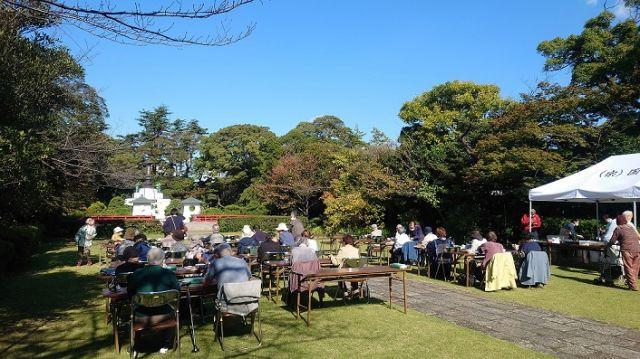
[(616, 179)]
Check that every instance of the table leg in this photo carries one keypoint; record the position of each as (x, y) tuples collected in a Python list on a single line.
[(309, 290), (278, 273), (404, 290), (549, 252), (114, 321), (390, 279), (466, 268), (270, 287)]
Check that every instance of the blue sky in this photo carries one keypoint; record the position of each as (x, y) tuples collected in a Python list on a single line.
[(359, 60)]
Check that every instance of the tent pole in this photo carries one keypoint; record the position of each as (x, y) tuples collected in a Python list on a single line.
[(531, 219), (597, 217), (635, 217)]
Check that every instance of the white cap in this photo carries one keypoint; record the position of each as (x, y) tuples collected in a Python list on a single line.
[(246, 231), (118, 230), (282, 227)]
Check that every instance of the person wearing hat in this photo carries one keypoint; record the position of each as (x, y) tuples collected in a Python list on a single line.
[(627, 236), (476, 241), (117, 234), (84, 239), (226, 268), (246, 240), (131, 263), (285, 237)]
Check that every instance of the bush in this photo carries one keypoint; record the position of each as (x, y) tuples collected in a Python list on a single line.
[(105, 229), (237, 209), (96, 208), (267, 223), (17, 244), (552, 225), (117, 206)]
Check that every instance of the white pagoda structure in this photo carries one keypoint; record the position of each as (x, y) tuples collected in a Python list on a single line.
[(147, 200)]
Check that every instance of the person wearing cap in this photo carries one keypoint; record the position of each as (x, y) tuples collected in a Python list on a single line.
[(226, 268), (296, 225), (375, 232), (285, 237), (270, 245), (84, 239), (627, 236), (131, 263), (215, 237), (117, 234), (246, 240)]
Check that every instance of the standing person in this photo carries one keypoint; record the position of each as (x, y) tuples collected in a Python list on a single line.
[(84, 238), (569, 229), (415, 232), (215, 237), (629, 216), (535, 222), (296, 225), (629, 239), (285, 237), (175, 222), (611, 226)]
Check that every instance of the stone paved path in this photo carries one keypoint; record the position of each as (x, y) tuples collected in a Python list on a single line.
[(537, 329)]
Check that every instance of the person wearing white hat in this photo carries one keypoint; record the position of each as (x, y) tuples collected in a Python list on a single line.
[(285, 237), (375, 232), (117, 234), (247, 240)]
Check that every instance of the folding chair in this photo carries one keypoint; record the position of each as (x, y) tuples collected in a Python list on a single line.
[(362, 284), (238, 299), (115, 307), (169, 298), (442, 260)]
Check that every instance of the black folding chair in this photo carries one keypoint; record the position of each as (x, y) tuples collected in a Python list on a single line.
[(155, 300)]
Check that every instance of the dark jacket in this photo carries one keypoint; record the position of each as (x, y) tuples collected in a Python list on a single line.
[(244, 243), (268, 246), (152, 278), (416, 234)]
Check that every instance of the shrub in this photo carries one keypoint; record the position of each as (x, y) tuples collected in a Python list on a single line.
[(552, 225), (266, 223), (18, 244), (117, 206), (105, 229), (96, 208)]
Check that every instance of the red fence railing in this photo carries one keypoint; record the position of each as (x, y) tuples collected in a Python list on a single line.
[(117, 217), (211, 217)]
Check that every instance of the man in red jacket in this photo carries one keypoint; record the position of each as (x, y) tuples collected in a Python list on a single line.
[(536, 223)]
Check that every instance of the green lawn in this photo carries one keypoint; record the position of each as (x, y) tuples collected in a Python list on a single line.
[(55, 311), (571, 291)]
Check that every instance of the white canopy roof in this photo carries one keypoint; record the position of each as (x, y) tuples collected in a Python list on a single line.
[(616, 179)]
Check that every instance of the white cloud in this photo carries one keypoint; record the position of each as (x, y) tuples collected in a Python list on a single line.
[(621, 11), (592, 2)]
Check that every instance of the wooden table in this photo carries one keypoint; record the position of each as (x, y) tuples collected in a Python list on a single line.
[(279, 267), (345, 274), (600, 247)]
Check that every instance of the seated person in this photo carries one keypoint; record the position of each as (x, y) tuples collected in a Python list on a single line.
[(142, 246), (258, 235), (302, 253), (476, 241), (178, 246), (347, 251), (307, 240), (530, 245), (285, 237), (117, 234), (270, 245), (227, 268), (398, 241), (375, 232), (569, 230), (491, 248), (193, 242), (154, 278), (131, 263), (428, 236), (415, 232), (215, 237), (167, 241), (129, 237), (441, 240), (246, 241)]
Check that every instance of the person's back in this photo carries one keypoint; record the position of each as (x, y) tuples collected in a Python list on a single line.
[(178, 247), (302, 254), (259, 236), (152, 278), (244, 243), (287, 239), (228, 269), (296, 228), (268, 246), (530, 246), (490, 249), (128, 267)]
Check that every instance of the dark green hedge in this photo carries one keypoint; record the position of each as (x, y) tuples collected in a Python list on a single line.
[(587, 227), (17, 244), (266, 223)]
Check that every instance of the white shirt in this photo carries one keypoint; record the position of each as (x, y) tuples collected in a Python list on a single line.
[(400, 240), (476, 243), (376, 233), (428, 238), (611, 226)]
